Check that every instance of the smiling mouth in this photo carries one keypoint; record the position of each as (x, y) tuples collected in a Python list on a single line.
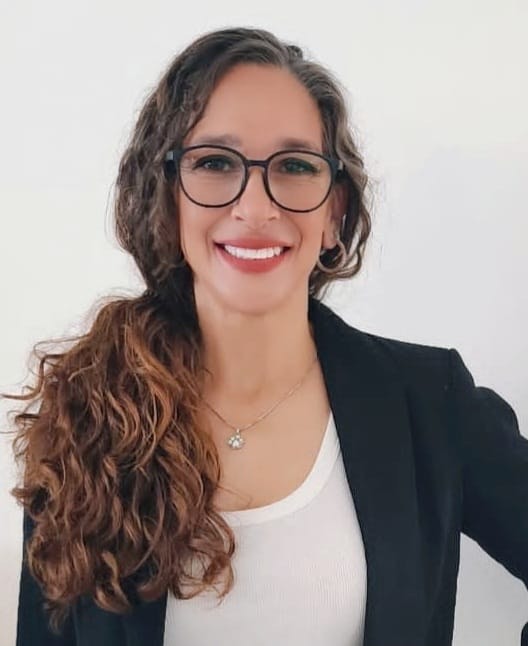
[(246, 253), (252, 260)]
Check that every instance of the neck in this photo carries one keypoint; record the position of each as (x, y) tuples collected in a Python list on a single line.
[(253, 358)]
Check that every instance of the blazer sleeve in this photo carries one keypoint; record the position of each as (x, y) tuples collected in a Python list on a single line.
[(495, 473), (32, 620)]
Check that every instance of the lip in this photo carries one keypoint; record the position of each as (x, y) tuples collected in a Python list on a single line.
[(253, 243)]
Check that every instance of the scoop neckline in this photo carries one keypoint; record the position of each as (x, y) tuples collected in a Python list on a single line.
[(304, 493)]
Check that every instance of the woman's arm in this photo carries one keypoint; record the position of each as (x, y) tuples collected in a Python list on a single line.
[(495, 463), (32, 621)]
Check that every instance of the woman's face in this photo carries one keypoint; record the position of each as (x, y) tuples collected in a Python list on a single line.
[(256, 110)]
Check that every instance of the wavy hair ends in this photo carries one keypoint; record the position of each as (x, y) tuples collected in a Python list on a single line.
[(118, 489), (119, 467)]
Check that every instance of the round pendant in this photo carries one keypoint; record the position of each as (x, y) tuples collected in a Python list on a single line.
[(236, 441)]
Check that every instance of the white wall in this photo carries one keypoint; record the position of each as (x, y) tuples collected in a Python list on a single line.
[(438, 94)]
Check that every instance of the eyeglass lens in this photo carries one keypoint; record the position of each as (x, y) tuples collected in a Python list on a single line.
[(214, 176)]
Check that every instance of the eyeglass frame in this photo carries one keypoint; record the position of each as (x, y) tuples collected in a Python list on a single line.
[(171, 167)]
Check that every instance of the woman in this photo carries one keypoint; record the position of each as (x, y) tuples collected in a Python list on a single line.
[(223, 459)]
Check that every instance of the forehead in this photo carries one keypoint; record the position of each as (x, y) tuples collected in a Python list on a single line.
[(259, 108)]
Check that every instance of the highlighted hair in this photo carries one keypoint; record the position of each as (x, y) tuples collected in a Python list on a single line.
[(119, 467)]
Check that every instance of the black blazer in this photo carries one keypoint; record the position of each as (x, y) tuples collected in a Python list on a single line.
[(427, 454)]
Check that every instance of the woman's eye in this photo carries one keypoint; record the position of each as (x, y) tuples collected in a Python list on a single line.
[(298, 167), (214, 163)]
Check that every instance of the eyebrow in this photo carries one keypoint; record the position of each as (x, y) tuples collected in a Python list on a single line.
[(232, 140)]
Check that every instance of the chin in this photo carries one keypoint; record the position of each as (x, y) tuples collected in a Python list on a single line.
[(254, 304), (246, 301)]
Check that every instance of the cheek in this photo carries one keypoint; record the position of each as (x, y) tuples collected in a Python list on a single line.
[(196, 227), (190, 231), (312, 230)]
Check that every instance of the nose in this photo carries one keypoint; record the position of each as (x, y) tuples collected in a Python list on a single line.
[(255, 206)]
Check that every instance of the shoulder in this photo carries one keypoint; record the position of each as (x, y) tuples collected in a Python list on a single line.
[(405, 357)]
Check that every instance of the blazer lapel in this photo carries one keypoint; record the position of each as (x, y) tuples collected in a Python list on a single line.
[(368, 400), (145, 625)]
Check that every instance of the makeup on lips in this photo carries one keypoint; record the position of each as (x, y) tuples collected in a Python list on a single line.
[(252, 255)]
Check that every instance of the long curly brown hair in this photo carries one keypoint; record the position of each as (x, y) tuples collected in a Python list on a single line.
[(119, 470)]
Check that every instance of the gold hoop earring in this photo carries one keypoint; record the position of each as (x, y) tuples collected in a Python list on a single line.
[(343, 258)]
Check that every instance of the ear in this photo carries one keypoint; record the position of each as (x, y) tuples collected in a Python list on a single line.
[(337, 204)]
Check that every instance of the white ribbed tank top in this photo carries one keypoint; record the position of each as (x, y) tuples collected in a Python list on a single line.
[(299, 567)]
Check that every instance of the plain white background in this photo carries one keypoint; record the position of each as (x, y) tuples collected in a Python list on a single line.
[(439, 100)]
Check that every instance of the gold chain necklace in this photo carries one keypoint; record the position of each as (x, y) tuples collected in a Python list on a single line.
[(236, 441)]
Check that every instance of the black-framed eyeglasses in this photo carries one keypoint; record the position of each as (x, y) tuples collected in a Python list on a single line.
[(215, 176)]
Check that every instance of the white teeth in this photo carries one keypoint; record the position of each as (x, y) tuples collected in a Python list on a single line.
[(256, 254)]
